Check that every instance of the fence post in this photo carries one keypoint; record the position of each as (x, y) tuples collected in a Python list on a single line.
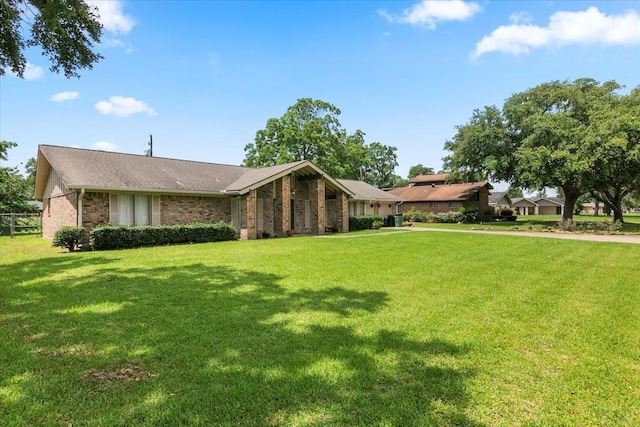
[(12, 223)]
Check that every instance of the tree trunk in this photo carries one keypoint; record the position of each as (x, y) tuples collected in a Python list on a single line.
[(613, 203), (570, 199), (617, 211)]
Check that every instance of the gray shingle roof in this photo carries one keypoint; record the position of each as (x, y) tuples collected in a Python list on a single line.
[(91, 169), (496, 196), (104, 170), (365, 191)]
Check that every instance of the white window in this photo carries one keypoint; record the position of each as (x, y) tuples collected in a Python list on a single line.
[(129, 209)]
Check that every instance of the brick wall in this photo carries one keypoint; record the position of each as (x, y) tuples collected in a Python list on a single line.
[(95, 210), (57, 212), (184, 209)]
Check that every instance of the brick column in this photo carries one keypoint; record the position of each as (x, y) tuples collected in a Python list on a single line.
[(320, 209), (251, 215), (345, 212), (285, 196)]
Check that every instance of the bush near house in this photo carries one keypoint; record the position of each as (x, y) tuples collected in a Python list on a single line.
[(469, 214), (363, 222), (125, 237), (415, 215), (68, 237)]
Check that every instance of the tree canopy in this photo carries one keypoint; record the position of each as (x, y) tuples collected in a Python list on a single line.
[(580, 136), (64, 30), (419, 169), (311, 130), (15, 190)]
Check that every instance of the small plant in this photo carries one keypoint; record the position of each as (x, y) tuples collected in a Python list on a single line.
[(614, 227), (376, 224), (566, 225), (68, 237)]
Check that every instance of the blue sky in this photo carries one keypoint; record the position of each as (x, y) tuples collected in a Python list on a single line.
[(204, 76)]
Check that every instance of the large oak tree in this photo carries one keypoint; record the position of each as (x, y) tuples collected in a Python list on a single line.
[(311, 130), (580, 136)]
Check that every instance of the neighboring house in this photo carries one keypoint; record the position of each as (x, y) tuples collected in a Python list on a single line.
[(550, 205), (88, 188), (538, 206), (499, 200), (523, 206), (431, 193), (369, 200)]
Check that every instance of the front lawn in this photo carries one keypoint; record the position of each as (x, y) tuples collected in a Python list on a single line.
[(540, 223), (388, 329)]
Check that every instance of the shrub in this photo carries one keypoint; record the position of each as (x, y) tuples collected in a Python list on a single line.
[(414, 215), (68, 237), (470, 214), (448, 217), (124, 237), (506, 212), (363, 222)]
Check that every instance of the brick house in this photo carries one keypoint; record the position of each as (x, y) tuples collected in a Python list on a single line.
[(88, 188), (431, 193)]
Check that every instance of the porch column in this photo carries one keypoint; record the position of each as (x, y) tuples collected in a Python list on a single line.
[(344, 203), (251, 215), (285, 195), (320, 202)]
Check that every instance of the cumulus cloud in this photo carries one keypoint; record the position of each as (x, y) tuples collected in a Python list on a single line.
[(112, 18), (122, 107), (429, 12), (104, 146), (64, 96), (589, 27)]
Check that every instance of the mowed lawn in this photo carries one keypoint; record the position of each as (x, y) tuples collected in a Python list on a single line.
[(404, 329)]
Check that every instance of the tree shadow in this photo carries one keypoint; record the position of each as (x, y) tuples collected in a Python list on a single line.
[(213, 345)]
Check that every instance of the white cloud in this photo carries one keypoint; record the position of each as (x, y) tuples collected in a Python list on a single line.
[(520, 18), (31, 72), (64, 96), (112, 17), (104, 146), (589, 27), (429, 12), (122, 107)]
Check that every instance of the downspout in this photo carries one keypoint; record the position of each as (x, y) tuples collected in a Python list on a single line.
[(80, 196), (398, 205)]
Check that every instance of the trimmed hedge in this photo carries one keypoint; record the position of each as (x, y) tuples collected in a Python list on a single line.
[(363, 222), (125, 237)]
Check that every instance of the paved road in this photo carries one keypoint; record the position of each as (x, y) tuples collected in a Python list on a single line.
[(617, 238)]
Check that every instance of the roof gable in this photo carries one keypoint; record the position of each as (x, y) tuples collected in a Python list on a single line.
[(496, 197)]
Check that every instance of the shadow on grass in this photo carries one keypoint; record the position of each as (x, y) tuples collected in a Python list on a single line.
[(214, 346)]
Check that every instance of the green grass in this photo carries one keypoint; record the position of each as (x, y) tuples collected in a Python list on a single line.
[(387, 329), (539, 223)]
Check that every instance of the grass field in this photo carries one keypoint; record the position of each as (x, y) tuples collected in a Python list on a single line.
[(542, 222), (403, 329)]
